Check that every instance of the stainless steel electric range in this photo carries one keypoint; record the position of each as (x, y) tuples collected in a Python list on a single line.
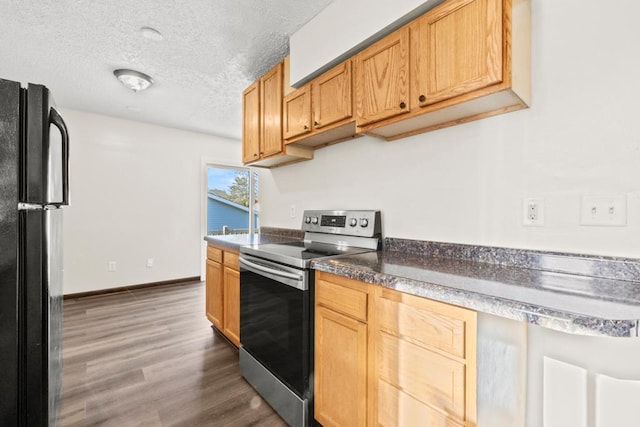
[(276, 306)]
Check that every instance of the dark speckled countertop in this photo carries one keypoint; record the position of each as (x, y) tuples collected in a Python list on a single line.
[(578, 294)]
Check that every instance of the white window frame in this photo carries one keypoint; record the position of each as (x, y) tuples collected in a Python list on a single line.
[(205, 164)]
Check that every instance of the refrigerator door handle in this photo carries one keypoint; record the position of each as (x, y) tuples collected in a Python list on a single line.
[(56, 120)]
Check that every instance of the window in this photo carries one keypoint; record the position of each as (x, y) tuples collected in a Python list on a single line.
[(231, 196)]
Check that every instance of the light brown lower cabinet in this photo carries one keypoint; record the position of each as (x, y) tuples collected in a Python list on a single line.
[(232, 305), (223, 291), (340, 376), (386, 358), (215, 292)]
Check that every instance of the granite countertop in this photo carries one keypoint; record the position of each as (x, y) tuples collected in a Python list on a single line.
[(266, 235), (577, 294)]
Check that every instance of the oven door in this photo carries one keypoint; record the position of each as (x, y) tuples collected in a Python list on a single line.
[(275, 314)]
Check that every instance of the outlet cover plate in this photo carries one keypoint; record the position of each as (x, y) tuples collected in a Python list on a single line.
[(533, 212)]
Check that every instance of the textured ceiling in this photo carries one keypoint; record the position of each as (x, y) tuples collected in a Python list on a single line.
[(211, 51)]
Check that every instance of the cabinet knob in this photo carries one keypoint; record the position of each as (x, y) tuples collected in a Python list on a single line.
[(422, 98), (315, 123), (262, 153), (306, 127), (403, 105), (255, 155)]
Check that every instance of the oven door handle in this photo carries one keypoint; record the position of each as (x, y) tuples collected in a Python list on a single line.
[(251, 266)]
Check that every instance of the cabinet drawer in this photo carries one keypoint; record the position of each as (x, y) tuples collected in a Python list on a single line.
[(231, 260), (214, 254), (426, 322), (427, 376), (343, 297), (400, 409)]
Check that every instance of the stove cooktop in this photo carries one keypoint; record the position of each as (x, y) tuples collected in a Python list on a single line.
[(328, 233), (300, 254)]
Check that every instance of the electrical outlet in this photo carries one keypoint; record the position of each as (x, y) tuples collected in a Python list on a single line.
[(604, 210), (111, 266), (149, 262), (292, 211), (533, 212)]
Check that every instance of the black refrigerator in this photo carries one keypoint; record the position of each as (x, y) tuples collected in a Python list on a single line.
[(34, 186)]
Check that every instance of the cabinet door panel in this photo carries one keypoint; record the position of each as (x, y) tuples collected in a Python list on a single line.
[(232, 305), (271, 91), (214, 294), (455, 49), (340, 369), (297, 113), (331, 95), (251, 123), (382, 85)]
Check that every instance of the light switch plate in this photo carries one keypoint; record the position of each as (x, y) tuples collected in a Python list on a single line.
[(606, 210)]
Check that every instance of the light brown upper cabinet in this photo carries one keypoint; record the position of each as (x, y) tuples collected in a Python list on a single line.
[(463, 60), (251, 123), (271, 111), (331, 94), (468, 59), (297, 113), (456, 50), (262, 141), (321, 112), (382, 79), (262, 116)]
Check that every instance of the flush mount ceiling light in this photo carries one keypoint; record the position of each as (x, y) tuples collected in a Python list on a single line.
[(151, 34), (132, 79)]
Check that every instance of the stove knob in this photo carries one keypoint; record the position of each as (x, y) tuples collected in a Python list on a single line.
[(353, 222), (307, 219), (314, 220), (364, 222)]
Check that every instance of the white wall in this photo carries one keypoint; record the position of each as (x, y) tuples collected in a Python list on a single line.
[(466, 183), (346, 26), (136, 193)]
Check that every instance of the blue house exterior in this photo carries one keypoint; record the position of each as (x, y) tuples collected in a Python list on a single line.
[(222, 212)]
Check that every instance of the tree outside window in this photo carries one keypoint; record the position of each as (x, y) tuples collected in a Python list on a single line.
[(228, 200)]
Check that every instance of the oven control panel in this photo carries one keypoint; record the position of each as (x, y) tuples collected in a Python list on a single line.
[(365, 223)]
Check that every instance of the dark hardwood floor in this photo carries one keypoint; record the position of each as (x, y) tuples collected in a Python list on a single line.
[(149, 357)]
